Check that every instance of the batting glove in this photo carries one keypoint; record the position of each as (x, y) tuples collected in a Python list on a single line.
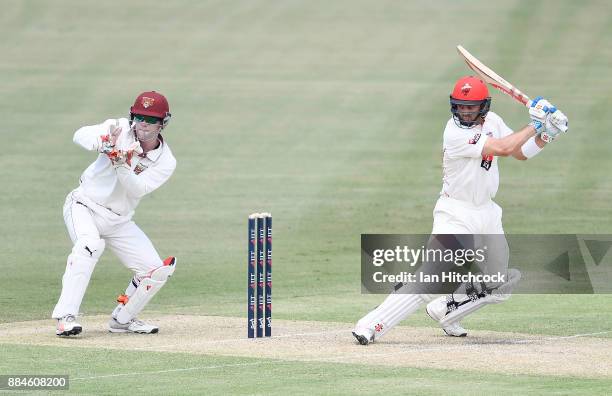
[(559, 120), (556, 123), (539, 108)]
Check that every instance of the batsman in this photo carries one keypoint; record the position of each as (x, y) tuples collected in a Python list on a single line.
[(133, 160), (474, 138)]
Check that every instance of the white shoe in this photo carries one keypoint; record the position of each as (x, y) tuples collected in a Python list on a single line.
[(437, 310), (363, 335), (455, 330), (133, 326), (68, 326)]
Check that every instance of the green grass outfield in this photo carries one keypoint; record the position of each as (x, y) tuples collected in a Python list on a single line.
[(175, 373), (337, 109)]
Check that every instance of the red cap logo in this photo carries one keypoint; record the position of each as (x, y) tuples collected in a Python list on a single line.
[(465, 90), (147, 102)]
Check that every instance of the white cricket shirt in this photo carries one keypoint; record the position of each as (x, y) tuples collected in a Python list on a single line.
[(120, 189), (467, 175)]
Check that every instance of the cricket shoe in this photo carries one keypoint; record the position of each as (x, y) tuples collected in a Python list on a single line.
[(437, 310), (363, 335), (68, 326), (133, 326), (455, 330)]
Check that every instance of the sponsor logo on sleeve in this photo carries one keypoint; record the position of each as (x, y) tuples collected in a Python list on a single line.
[(487, 160)]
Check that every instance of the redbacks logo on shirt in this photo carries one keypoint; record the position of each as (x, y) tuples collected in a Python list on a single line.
[(475, 139)]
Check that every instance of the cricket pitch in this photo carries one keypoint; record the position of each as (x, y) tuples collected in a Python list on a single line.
[(483, 351)]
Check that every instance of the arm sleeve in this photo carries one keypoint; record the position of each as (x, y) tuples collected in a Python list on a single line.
[(146, 182), (460, 145), (88, 137)]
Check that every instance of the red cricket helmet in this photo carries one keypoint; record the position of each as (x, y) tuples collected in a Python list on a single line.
[(470, 91), (153, 104)]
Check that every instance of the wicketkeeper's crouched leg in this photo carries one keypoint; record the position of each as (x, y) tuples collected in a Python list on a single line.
[(137, 295), (79, 267)]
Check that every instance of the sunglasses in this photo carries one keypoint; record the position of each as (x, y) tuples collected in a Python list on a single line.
[(147, 119)]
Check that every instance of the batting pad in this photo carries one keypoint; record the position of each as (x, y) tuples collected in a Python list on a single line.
[(498, 295)]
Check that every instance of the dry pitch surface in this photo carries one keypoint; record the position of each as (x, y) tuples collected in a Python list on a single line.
[(579, 355)]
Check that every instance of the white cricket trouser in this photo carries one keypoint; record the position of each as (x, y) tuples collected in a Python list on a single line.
[(450, 217), (87, 223)]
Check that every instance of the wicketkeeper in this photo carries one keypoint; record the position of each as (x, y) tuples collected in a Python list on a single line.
[(133, 160), (474, 138)]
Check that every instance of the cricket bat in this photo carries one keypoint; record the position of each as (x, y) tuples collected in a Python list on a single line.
[(492, 78)]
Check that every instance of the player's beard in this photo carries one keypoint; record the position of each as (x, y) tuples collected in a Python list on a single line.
[(472, 118), (469, 117)]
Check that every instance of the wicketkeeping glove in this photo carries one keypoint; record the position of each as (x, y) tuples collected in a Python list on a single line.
[(123, 158), (107, 142)]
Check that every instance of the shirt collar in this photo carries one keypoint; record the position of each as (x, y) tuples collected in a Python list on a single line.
[(154, 154)]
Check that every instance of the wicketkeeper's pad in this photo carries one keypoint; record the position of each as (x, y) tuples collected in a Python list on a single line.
[(148, 287)]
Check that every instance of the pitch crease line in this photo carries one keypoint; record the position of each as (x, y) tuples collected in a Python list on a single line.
[(416, 348), (556, 338), (169, 371)]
